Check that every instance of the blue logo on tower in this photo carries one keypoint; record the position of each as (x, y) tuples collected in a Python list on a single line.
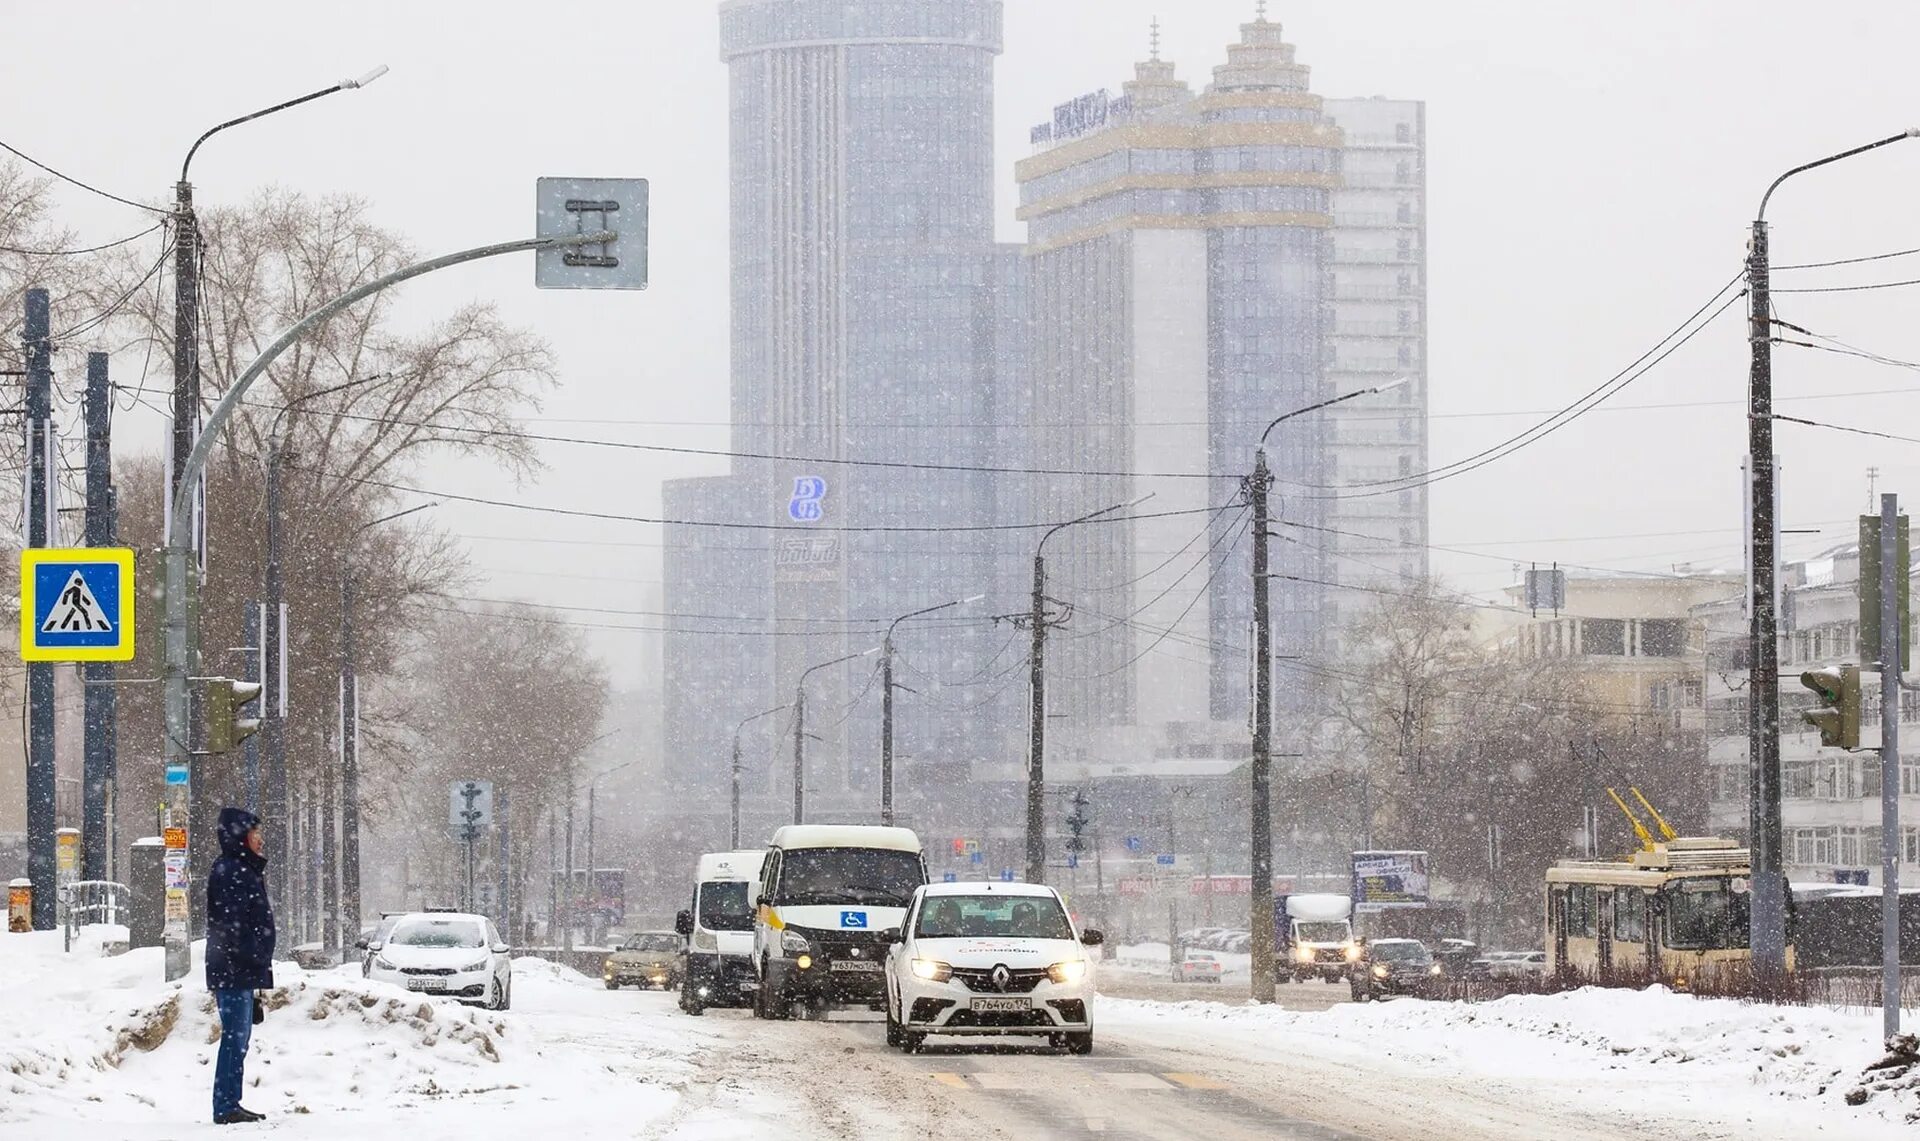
[(809, 491), (853, 919)]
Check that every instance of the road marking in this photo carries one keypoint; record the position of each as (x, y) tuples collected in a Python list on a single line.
[(1195, 1081), (1007, 1080), (1125, 1080), (953, 1080)]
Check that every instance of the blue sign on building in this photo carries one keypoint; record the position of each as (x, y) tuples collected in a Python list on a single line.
[(1133, 844), (809, 493)]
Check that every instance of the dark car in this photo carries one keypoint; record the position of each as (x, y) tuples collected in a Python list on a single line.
[(1394, 966), (1455, 956)]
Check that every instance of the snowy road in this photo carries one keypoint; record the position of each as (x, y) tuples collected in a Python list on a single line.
[(101, 1048)]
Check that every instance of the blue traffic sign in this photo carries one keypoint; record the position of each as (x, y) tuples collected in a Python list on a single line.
[(1133, 844), (76, 604), (977, 858), (950, 877), (1073, 861), (1164, 859), (1006, 875)]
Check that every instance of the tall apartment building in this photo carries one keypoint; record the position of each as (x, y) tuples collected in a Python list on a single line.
[(869, 328), (1830, 798), (1201, 263)]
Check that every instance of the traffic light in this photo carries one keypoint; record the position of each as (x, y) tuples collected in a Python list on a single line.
[(1838, 717), (1077, 822), (226, 699)]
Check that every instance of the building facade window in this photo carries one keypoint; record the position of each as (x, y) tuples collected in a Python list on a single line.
[(1604, 636)]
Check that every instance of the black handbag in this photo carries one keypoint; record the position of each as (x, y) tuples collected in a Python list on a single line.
[(259, 1009)]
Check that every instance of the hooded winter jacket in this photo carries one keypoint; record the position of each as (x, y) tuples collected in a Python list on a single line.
[(239, 917)]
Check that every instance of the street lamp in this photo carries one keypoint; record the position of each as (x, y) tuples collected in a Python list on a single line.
[(733, 815), (186, 281), (1768, 935), (1037, 685), (350, 732), (886, 704), (1260, 857), (800, 731)]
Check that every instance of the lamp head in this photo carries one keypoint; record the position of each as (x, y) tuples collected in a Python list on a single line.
[(369, 77)]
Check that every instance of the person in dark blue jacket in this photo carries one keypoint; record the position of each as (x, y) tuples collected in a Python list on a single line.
[(239, 952)]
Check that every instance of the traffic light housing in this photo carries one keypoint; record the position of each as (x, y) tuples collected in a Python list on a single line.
[(1838, 717), (226, 700), (1077, 822)]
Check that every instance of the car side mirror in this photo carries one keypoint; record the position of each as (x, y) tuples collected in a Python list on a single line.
[(764, 901), (374, 946), (683, 923), (1092, 937), (360, 944), (500, 948), (892, 935)]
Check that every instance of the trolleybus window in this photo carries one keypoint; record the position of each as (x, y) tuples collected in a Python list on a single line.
[(1629, 915), (1580, 910), (1705, 914)]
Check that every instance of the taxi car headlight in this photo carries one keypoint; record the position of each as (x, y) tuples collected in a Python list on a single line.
[(793, 943), (1380, 972), (1353, 951), (1434, 969), (933, 970), (1069, 972)]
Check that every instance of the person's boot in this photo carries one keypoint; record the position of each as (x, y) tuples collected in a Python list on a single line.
[(249, 1114), (239, 1117)]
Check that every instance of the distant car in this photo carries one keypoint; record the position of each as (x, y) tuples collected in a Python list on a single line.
[(446, 953), (1237, 943), (989, 958), (1484, 967), (647, 958), (1455, 955), (1522, 963), (375, 934), (1394, 966), (1198, 967)]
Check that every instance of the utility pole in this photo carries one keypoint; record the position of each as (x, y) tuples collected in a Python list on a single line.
[(100, 767), (553, 881), (40, 770), (1260, 774), (1260, 770), (593, 882), (1768, 934), (503, 852), (273, 710), (1892, 637), (566, 937), (1037, 620), (254, 652), (350, 752)]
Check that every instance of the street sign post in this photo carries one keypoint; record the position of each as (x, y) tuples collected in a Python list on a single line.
[(569, 207), (76, 604)]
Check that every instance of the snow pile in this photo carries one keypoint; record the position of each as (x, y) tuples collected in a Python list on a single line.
[(106, 1043), (1670, 1046)]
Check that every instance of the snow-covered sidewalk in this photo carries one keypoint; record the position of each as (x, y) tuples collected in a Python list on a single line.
[(1712, 1061), (104, 1045)]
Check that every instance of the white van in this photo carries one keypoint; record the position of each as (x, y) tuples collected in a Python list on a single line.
[(827, 893), (719, 931)]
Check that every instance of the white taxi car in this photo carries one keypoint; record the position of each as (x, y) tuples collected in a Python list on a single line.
[(989, 958), (446, 953)]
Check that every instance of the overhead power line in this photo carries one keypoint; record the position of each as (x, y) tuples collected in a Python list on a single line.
[(22, 155), (84, 250), (1847, 261)]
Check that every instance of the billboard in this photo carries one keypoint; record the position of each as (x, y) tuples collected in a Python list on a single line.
[(605, 893), (1389, 879)]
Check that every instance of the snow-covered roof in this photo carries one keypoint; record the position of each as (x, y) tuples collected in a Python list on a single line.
[(846, 836), (743, 865), (987, 887)]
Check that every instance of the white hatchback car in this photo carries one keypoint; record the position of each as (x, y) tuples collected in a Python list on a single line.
[(446, 953), (989, 958)]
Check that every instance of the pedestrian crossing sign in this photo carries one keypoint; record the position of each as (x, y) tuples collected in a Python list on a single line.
[(76, 605)]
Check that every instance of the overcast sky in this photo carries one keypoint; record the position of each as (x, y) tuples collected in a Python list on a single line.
[(1591, 174)]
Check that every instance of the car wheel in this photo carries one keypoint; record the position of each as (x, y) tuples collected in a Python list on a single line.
[(690, 1001), (894, 1033), (493, 995), (913, 1041), (506, 995), (612, 985), (1080, 1043)]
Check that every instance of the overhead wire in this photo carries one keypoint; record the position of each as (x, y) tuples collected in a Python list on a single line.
[(1240, 528), (18, 153), (86, 249)]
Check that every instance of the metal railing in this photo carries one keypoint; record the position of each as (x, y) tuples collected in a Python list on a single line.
[(93, 901)]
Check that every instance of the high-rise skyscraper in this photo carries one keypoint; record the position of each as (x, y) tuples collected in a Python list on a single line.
[(867, 335), (1202, 263)]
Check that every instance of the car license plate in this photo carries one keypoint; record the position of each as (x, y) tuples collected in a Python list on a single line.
[(426, 984), (854, 965), (1002, 1005)]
